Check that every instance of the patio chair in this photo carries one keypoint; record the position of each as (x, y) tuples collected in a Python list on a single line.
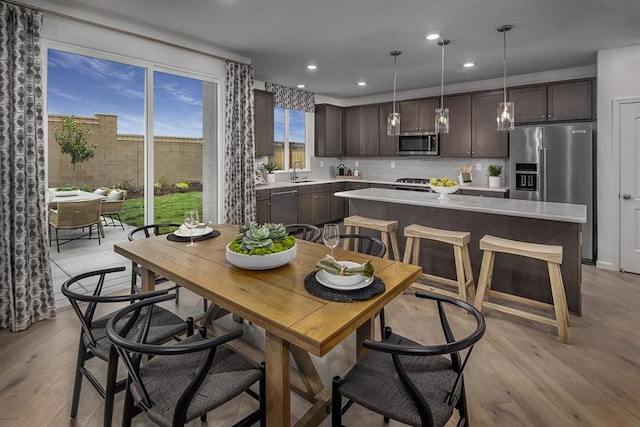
[(183, 382), (74, 215), (93, 342), (422, 384), (112, 207)]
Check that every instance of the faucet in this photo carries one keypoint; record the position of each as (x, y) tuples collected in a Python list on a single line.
[(294, 174)]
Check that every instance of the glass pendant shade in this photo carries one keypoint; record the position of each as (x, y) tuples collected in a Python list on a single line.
[(393, 124), (442, 120), (505, 116)]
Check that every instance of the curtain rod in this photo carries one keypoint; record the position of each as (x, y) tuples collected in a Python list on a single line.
[(119, 30)]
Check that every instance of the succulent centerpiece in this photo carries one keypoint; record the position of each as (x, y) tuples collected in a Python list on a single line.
[(270, 242)]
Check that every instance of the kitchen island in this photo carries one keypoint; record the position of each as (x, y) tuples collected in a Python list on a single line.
[(537, 222)]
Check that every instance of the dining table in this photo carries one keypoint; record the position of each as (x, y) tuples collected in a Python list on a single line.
[(296, 323)]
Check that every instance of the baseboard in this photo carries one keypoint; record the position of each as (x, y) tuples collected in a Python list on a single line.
[(606, 265)]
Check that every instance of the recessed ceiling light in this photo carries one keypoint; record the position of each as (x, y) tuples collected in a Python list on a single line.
[(311, 67), (433, 36), (300, 86), (362, 83), (468, 64)]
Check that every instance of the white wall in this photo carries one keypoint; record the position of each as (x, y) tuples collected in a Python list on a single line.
[(618, 78)]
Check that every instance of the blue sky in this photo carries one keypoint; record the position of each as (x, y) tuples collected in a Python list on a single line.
[(83, 86), (296, 125)]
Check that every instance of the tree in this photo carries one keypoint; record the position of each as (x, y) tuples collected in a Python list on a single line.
[(73, 138)]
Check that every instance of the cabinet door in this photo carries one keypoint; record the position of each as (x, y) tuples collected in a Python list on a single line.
[(457, 143), (486, 141), (351, 136), (263, 122), (357, 185), (569, 101), (321, 208), (388, 145), (369, 137), (337, 205), (427, 114), (305, 208), (530, 104), (263, 211), (409, 116), (328, 131)]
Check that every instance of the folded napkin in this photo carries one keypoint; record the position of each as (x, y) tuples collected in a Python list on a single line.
[(330, 265)]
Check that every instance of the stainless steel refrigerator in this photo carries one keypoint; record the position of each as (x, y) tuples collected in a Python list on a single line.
[(554, 163)]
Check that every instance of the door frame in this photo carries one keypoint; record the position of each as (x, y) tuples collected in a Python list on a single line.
[(615, 148)]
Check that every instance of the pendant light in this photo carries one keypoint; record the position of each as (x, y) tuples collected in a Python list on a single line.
[(393, 121), (505, 109), (442, 114)]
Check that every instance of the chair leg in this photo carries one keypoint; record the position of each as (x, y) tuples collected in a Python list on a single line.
[(263, 397), (77, 383), (336, 402), (128, 412), (110, 389), (120, 219), (205, 304), (462, 406), (57, 241), (383, 324), (178, 294)]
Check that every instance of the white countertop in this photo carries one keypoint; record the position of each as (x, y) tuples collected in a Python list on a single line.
[(370, 181), (510, 207)]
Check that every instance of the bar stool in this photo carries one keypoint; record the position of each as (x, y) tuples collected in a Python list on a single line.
[(549, 253), (386, 228), (459, 240)]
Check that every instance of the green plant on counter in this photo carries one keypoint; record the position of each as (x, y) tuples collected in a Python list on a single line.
[(270, 166), (494, 170), (264, 239)]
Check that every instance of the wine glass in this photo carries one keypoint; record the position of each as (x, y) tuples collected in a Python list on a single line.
[(331, 236), (191, 221)]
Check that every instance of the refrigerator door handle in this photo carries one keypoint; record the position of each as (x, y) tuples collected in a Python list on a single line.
[(544, 178)]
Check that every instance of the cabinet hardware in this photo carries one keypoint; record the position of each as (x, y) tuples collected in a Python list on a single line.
[(544, 116), (550, 115), (627, 196), (285, 192)]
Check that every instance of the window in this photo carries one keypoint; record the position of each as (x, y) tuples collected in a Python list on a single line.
[(290, 135)]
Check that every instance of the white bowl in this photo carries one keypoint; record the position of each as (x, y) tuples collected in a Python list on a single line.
[(344, 280), (261, 262), (444, 191)]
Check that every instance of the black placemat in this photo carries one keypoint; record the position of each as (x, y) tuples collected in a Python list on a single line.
[(174, 238), (314, 287)]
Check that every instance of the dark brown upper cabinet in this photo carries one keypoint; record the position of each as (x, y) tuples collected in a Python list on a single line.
[(418, 115), (388, 144), (486, 141), (562, 101), (328, 131), (457, 143), (263, 122), (361, 135)]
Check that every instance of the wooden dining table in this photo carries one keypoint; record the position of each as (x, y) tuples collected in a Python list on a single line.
[(295, 322)]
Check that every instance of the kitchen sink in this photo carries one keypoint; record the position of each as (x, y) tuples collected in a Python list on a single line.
[(303, 180)]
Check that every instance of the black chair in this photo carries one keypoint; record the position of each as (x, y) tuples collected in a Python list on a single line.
[(421, 386), (93, 339), (307, 232), (185, 381), (150, 231), (365, 244), (370, 246)]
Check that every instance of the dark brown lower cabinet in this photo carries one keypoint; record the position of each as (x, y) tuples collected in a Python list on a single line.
[(313, 204), (337, 205), (263, 206)]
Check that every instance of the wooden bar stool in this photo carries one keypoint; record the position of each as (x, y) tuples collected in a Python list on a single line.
[(549, 253), (386, 228), (459, 240)]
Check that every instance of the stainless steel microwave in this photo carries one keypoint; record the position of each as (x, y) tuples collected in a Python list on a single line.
[(418, 145)]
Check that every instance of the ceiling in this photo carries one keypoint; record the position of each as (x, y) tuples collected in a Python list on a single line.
[(350, 40)]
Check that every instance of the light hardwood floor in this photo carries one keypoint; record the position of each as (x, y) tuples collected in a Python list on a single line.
[(519, 374)]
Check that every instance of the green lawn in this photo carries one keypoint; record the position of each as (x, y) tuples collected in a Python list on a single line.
[(169, 208)]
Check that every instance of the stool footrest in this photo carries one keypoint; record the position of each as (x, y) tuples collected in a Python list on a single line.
[(521, 313)]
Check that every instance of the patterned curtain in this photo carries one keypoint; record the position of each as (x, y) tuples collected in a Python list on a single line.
[(291, 98), (26, 289), (239, 187)]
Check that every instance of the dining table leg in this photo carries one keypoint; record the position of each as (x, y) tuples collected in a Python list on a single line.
[(364, 332), (278, 381), (148, 279)]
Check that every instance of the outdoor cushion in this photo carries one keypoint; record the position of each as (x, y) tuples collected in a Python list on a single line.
[(115, 195), (100, 192)]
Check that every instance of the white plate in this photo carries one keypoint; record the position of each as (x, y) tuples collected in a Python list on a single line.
[(324, 282), (180, 232)]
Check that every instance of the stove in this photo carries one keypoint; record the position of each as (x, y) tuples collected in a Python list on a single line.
[(422, 181), (413, 180)]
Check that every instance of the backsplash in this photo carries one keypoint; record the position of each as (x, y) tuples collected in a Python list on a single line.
[(424, 167)]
